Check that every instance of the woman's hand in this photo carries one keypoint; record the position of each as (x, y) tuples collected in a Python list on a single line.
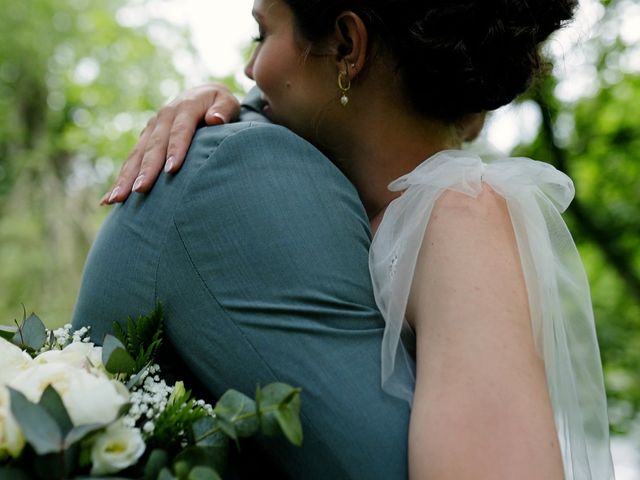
[(165, 140)]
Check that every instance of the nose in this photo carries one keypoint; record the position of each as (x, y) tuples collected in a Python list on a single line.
[(248, 69)]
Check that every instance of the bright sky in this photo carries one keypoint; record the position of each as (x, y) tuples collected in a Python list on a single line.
[(221, 29)]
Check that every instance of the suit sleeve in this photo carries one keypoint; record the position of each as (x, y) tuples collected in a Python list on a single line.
[(265, 277)]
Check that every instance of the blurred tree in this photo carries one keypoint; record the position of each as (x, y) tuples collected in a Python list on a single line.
[(77, 83), (78, 80), (595, 139)]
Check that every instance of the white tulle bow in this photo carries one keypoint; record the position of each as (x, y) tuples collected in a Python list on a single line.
[(559, 298)]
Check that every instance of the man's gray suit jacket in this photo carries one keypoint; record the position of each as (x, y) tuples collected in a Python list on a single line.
[(258, 251)]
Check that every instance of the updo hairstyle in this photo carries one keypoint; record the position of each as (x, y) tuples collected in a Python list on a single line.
[(455, 57)]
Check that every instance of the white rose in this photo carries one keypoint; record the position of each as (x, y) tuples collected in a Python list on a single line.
[(88, 398), (79, 354), (115, 449), (88, 350), (11, 438), (13, 361)]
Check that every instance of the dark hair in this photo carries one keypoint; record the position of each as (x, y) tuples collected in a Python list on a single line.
[(454, 57)]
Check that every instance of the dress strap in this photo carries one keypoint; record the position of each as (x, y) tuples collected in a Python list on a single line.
[(559, 297)]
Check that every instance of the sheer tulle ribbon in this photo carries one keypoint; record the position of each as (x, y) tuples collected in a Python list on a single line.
[(560, 302)]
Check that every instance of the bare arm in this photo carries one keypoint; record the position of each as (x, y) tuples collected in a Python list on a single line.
[(481, 408), (164, 142)]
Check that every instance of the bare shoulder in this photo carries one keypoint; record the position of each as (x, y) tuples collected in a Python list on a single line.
[(455, 210), (472, 233), (470, 256)]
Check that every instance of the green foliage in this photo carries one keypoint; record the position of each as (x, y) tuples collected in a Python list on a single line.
[(189, 440), (173, 425), (39, 426), (115, 357), (31, 335), (8, 333), (276, 411), (76, 86), (143, 337), (279, 411), (50, 433), (596, 141)]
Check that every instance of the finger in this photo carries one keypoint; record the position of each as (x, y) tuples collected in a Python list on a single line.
[(155, 152), (121, 188), (182, 131), (105, 198), (224, 109), (213, 117)]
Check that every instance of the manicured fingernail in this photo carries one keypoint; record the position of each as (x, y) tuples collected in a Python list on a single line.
[(138, 183), (220, 118), (168, 166), (113, 195)]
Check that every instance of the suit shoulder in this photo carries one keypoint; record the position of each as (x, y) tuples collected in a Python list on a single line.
[(241, 131), (275, 136), (269, 146)]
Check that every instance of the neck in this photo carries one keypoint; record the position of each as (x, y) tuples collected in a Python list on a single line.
[(383, 144)]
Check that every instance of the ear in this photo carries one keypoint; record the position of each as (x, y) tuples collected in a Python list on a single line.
[(352, 41)]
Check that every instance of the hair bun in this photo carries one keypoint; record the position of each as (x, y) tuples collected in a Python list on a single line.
[(455, 57), (471, 56)]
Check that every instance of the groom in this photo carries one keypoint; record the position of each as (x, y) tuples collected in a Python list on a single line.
[(258, 251)]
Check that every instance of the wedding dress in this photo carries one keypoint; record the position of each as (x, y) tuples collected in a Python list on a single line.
[(558, 291)]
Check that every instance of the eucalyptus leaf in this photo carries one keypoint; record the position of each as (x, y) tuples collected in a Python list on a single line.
[(133, 381), (52, 403), (279, 407), (109, 344), (266, 413), (197, 456), (115, 357), (158, 460), (38, 426), (7, 332), (181, 469), (81, 432), (239, 410), (275, 394), (217, 442), (32, 334), (165, 474), (203, 473), (289, 421), (227, 427), (201, 432)]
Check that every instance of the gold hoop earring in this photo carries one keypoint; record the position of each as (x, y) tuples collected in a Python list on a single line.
[(344, 99)]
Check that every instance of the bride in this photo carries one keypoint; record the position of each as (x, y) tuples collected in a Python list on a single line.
[(471, 262)]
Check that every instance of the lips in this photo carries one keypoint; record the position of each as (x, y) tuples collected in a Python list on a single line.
[(266, 109)]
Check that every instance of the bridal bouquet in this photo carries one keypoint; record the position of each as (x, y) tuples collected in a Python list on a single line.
[(70, 409)]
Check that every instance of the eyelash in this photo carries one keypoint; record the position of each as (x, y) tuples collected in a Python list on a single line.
[(260, 37)]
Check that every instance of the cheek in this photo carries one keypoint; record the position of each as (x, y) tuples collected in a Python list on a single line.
[(273, 71)]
